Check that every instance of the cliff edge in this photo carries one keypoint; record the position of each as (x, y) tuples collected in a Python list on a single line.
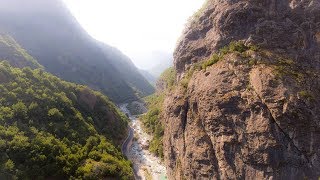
[(245, 105)]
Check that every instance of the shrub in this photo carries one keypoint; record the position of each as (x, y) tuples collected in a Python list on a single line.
[(213, 59), (306, 95), (55, 113)]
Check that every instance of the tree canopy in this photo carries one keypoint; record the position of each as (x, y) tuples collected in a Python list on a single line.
[(50, 128)]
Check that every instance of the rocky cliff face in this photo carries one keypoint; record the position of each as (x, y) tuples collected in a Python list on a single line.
[(254, 114)]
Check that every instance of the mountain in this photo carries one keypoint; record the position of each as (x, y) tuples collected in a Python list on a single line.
[(163, 61), (245, 104), (152, 80), (17, 56), (49, 33), (53, 129)]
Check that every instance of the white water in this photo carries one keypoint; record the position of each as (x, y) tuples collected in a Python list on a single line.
[(138, 153)]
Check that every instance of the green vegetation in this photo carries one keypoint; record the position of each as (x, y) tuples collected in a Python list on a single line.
[(152, 122), (152, 119), (234, 47), (211, 61), (169, 77), (306, 95), (134, 108), (50, 128), (195, 17), (19, 57), (287, 67), (185, 80)]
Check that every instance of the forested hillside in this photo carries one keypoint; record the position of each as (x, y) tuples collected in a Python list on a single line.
[(50, 128), (48, 31), (17, 56)]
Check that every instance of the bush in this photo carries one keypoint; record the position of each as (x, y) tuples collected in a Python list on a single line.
[(238, 46), (212, 60)]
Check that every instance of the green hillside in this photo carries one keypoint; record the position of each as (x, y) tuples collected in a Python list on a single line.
[(11, 50), (52, 129)]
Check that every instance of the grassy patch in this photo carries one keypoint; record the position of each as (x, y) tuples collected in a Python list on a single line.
[(169, 77), (287, 67), (233, 47), (152, 122), (211, 61), (306, 95)]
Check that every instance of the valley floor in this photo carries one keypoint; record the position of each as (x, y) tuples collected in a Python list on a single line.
[(146, 165)]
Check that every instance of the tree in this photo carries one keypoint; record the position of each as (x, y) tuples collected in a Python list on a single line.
[(9, 165), (55, 113), (20, 110)]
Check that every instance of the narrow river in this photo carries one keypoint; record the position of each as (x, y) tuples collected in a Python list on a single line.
[(146, 165)]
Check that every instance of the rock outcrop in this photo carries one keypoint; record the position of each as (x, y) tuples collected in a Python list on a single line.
[(253, 114), (290, 26)]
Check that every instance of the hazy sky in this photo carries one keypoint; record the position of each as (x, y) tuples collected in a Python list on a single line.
[(136, 27)]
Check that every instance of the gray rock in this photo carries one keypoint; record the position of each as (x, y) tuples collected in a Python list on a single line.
[(237, 120)]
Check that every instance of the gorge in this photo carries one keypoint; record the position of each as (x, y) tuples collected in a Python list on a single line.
[(240, 102)]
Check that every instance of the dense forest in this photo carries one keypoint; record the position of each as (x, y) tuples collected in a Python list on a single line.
[(50, 128)]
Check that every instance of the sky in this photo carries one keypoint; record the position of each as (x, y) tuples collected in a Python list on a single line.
[(139, 28)]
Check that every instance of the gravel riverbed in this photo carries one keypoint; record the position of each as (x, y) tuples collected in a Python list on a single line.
[(146, 165)]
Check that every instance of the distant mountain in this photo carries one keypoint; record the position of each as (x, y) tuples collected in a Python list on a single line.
[(154, 62), (157, 70), (163, 61), (152, 79), (48, 31)]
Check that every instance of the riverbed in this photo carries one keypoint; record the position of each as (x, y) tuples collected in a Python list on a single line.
[(145, 164)]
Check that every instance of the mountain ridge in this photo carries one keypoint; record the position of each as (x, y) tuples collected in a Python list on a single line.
[(72, 54)]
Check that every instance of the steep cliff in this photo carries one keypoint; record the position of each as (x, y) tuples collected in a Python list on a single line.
[(48, 31), (246, 101)]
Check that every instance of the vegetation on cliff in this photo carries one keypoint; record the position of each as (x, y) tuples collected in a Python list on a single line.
[(152, 119), (50, 128), (245, 112), (237, 47)]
